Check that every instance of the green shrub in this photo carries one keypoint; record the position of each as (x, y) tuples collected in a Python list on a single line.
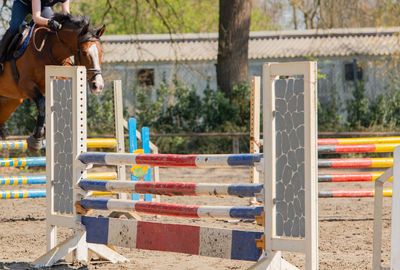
[(178, 109)]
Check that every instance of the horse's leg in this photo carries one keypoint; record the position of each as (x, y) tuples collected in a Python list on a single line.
[(7, 107), (35, 140)]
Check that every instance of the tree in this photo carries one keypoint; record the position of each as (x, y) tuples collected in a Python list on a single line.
[(342, 13), (308, 8), (234, 31), (151, 16)]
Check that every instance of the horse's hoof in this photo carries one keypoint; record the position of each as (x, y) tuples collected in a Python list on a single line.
[(34, 144)]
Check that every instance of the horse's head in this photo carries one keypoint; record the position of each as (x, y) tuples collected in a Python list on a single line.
[(84, 44), (89, 54)]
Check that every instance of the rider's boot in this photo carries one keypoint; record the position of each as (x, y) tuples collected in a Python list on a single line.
[(7, 37)]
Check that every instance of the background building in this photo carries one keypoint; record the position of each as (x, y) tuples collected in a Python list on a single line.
[(343, 55)]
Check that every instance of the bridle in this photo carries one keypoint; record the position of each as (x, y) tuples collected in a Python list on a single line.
[(83, 39)]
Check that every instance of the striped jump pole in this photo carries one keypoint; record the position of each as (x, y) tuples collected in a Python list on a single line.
[(173, 189), (22, 162), (357, 148), (168, 160), (22, 180), (19, 194), (194, 189), (167, 209), (41, 179), (91, 143), (187, 188), (355, 163), (352, 193), (214, 161), (365, 140), (38, 193), (188, 211), (349, 177), (188, 239), (16, 144)]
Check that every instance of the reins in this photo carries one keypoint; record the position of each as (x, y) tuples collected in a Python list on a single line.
[(43, 41)]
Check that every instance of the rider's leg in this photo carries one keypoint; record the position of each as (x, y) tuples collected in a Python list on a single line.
[(5, 41), (18, 14)]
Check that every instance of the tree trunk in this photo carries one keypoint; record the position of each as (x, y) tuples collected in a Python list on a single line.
[(233, 43)]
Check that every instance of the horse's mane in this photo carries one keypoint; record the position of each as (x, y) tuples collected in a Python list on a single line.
[(78, 21)]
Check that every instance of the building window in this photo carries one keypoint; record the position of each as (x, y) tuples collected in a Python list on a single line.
[(349, 72), (145, 77)]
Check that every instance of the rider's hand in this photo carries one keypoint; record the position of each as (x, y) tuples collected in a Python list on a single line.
[(54, 25)]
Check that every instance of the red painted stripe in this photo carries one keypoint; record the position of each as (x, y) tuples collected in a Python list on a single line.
[(328, 141), (189, 211), (351, 162), (351, 177), (167, 160), (352, 193), (355, 148), (170, 189), (168, 237)]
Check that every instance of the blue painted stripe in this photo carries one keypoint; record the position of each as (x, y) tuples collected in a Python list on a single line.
[(244, 159), (93, 157), (132, 135), (100, 204), (36, 179), (244, 245), (245, 212), (146, 150), (37, 161), (132, 147), (97, 229), (37, 193), (93, 184), (18, 145), (244, 190)]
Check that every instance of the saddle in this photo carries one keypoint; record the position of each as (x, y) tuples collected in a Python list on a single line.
[(20, 42), (18, 46)]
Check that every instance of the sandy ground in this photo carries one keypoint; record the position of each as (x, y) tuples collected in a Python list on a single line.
[(345, 229)]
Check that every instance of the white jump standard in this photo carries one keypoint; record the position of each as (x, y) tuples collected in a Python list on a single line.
[(289, 192)]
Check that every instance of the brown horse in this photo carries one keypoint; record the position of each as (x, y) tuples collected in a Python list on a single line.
[(76, 38)]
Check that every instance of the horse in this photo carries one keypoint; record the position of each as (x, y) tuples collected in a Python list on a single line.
[(76, 38)]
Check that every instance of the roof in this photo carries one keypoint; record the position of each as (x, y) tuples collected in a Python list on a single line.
[(262, 45)]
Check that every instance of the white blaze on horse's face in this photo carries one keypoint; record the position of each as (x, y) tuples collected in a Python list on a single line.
[(97, 83)]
